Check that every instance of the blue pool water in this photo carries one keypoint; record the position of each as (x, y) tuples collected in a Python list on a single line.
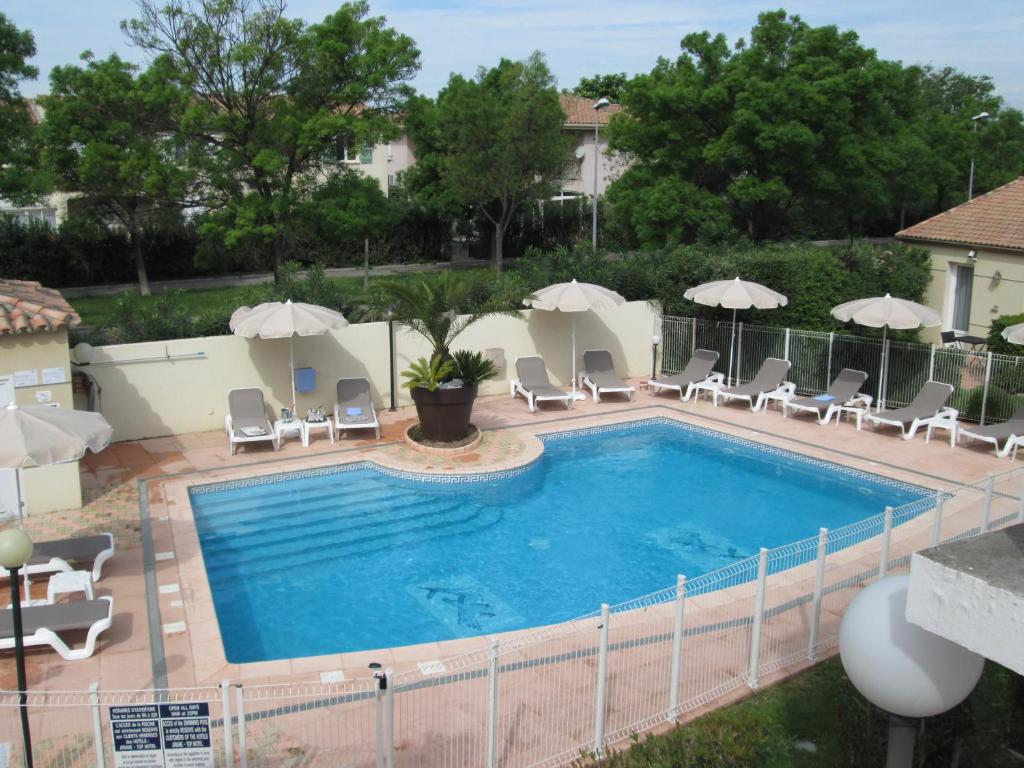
[(357, 559)]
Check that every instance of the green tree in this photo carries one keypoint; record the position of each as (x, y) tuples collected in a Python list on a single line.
[(608, 86), (19, 180), (273, 102), (107, 136), (491, 144)]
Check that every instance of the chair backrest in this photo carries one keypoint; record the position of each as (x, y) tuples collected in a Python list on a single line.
[(772, 373), (1018, 416), (532, 371), (847, 384), (701, 364), (354, 391), (598, 361), (246, 404), (933, 396), (948, 337)]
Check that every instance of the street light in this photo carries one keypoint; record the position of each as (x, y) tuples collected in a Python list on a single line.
[(980, 117), (598, 106), (15, 550), (655, 341)]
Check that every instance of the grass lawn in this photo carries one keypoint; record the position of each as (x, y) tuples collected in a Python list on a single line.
[(97, 311), (819, 707)]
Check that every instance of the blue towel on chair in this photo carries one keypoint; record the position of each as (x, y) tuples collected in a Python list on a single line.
[(824, 398)]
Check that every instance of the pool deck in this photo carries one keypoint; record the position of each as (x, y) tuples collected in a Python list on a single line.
[(166, 633)]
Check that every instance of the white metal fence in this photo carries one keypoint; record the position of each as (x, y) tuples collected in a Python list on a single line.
[(546, 696), (989, 387)]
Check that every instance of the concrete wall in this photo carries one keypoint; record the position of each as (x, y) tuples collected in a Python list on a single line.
[(991, 295), (156, 396), (612, 165), (45, 488)]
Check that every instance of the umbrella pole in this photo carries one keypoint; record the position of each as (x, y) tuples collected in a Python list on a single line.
[(21, 501), (732, 342), (882, 371), (291, 365), (574, 359)]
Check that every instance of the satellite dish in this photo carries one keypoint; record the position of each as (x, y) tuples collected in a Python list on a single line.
[(580, 152)]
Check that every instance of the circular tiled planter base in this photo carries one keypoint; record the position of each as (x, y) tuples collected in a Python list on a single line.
[(437, 451)]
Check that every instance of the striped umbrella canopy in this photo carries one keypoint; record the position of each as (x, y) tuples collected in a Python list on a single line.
[(1014, 333), (735, 294), (574, 297), (277, 320)]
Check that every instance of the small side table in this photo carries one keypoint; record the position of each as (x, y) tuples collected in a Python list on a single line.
[(312, 426), (66, 582), (943, 422), (782, 395), (857, 410), (286, 429), (709, 387)]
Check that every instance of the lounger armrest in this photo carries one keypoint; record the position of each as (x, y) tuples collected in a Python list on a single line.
[(947, 413), (227, 424), (787, 387), (716, 378), (860, 400)]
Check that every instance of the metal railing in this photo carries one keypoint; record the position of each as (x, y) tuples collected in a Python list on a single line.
[(988, 386), (544, 697)]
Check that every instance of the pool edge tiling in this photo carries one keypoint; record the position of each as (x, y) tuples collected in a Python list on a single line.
[(549, 433)]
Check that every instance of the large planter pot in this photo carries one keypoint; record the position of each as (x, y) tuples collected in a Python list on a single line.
[(444, 413)]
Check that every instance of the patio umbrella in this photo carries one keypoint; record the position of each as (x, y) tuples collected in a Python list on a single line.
[(886, 312), (274, 320), (735, 294), (574, 297), (40, 435), (1014, 333)]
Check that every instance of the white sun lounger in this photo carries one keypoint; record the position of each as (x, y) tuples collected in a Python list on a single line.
[(927, 408), (599, 375), (533, 383), (247, 420), (1011, 431), (354, 407), (60, 555), (697, 371), (843, 391), (769, 381), (41, 625)]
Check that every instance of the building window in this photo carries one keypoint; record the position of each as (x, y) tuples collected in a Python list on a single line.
[(27, 215), (572, 170), (366, 154)]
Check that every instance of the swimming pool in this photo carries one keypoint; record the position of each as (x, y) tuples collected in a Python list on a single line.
[(354, 558)]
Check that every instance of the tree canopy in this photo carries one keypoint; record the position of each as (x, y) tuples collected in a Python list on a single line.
[(18, 177), (602, 86), (275, 102), (802, 131), (490, 144)]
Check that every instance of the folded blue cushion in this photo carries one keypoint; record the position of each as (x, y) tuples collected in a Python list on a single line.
[(353, 411), (824, 398)]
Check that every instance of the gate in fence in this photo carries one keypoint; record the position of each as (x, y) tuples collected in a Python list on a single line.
[(545, 697)]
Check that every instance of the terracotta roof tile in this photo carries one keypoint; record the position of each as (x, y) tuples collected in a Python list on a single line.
[(579, 111), (26, 307), (994, 219)]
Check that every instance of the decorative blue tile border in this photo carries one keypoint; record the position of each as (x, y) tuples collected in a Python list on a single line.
[(788, 455)]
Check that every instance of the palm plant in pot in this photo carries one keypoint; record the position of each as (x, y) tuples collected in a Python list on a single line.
[(439, 308)]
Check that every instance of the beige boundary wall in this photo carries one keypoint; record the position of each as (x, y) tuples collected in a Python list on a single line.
[(159, 395)]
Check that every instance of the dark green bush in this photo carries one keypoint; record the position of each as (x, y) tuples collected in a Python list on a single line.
[(996, 342)]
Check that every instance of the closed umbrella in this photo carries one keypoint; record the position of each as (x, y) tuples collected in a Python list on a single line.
[(574, 297), (40, 435), (1014, 333), (276, 320), (735, 294), (886, 312)]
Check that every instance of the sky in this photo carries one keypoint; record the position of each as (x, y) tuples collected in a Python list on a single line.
[(597, 36)]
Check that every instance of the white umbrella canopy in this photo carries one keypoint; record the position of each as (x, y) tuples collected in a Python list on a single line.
[(886, 312), (735, 294), (280, 320), (574, 297), (40, 435), (1014, 333)]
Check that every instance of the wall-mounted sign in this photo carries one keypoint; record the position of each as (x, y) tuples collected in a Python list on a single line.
[(162, 735), (28, 378), (55, 375)]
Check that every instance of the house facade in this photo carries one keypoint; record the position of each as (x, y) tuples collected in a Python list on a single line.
[(977, 260)]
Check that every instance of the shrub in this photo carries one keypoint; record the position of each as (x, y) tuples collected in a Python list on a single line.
[(996, 342), (472, 367)]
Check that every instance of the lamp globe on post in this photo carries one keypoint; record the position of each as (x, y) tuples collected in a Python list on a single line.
[(15, 551), (901, 668), (598, 106)]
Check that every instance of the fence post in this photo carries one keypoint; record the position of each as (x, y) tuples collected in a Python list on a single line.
[(755, 636), (984, 394), (883, 384), (378, 702), (883, 565), (986, 512), (940, 500), (229, 747), (677, 649), (389, 719), (819, 587), (602, 673), (786, 355), (243, 751), (97, 725), (739, 354), (931, 365), (492, 707), (828, 369), (693, 335)]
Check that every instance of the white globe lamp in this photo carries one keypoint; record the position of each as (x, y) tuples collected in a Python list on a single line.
[(899, 667)]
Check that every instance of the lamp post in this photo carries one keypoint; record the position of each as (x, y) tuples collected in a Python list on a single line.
[(391, 360), (15, 550), (598, 106), (980, 117), (655, 341)]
